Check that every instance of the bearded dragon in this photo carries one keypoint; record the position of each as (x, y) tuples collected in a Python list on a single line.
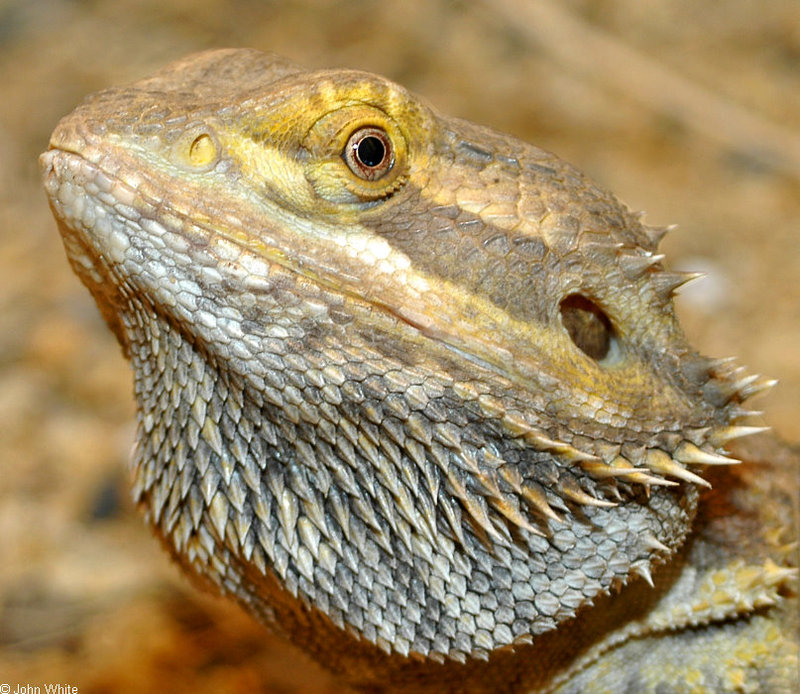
[(414, 394)]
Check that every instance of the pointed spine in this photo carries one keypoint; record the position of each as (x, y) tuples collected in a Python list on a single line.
[(754, 385), (660, 462), (653, 543), (655, 234), (719, 437), (666, 283), (533, 493), (642, 569), (569, 488), (688, 454), (634, 266)]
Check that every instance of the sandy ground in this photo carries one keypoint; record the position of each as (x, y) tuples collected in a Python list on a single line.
[(688, 110)]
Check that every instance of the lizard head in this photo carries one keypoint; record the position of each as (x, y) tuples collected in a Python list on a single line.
[(422, 377)]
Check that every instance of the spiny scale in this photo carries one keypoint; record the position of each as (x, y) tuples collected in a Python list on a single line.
[(655, 234), (690, 454), (659, 462), (723, 435), (635, 266), (666, 283)]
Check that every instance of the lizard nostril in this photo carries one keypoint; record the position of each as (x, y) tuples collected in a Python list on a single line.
[(588, 326), (202, 151), (196, 149)]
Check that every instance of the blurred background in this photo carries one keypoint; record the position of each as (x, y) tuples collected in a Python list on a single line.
[(688, 110)]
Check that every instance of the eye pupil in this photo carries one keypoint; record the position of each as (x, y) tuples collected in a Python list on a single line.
[(370, 151)]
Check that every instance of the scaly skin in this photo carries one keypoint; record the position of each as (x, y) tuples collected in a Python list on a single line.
[(413, 392)]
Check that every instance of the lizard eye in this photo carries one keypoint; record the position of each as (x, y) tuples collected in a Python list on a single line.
[(588, 327), (356, 154), (369, 153)]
